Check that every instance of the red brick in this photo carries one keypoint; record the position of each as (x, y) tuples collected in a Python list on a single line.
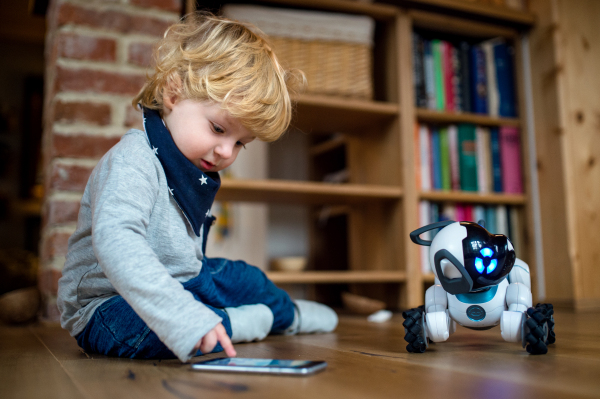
[(81, 47), (111, 20), (167, 5), (140, 54), (86, 80), (69, 177), (95, 113), (81, 145), (133, 118), (55, 245), (48, 281), (59, 212)]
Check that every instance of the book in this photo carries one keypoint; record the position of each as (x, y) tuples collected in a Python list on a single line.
[(516, 228), (453, 150), (493, 99), (464, 73), (484, 167), (496, 160), (448, 212), (467, 156), (438, 74), (468, 212), (478, 80), (503, 57), (445, 159), (510, 155), (429, 75), (501, 220), (490, 219), (419, 71), (417, 152), (436, 166), (456, 86), (448, 71), (479, 214), (425, 157)]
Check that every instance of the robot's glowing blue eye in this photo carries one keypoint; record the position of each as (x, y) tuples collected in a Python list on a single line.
[(487, 252), (492, 266), (479, 265)]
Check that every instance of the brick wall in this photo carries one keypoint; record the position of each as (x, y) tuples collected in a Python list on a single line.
[(97, 54)]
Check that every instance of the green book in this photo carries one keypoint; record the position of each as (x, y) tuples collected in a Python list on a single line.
[(445, 159), (438, 75), (467, 157)]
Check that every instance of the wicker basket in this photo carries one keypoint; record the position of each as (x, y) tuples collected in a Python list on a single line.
[(333, 50)]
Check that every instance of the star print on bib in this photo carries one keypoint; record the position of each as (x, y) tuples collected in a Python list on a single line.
[(193, 190)]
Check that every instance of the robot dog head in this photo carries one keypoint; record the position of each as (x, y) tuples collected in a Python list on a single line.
[(466, 257)]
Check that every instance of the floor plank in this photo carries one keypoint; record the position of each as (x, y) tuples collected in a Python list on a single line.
[(365, 361)]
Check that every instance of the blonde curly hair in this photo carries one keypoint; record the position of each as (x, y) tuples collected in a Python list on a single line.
[(210, 58)]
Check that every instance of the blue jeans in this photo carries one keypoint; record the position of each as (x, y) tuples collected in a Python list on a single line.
[(116, 330)]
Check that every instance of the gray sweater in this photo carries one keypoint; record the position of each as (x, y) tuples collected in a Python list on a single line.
[(133, 240)]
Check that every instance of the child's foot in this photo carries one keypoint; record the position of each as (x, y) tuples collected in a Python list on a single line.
[(250, 322), (312, 317)]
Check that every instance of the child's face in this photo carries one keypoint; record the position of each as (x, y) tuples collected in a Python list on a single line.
[(206, 134)]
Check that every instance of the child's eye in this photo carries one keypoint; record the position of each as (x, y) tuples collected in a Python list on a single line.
[(217, 128), (240, 144)]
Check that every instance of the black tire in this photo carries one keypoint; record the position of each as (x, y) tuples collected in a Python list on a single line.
[(540, 321), (414, 332)]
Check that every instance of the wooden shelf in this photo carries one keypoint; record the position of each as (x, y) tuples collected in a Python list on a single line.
[(316, 113), (304, 192), (337, 277), (479, 9), (426, 115), (377, 11), (428, 278), (29, 207), (328, 145), (473, 197)]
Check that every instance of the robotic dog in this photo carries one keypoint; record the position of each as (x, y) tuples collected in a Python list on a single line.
[(479, 283)]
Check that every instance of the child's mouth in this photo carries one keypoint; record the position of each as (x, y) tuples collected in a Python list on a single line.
[(206, 165)]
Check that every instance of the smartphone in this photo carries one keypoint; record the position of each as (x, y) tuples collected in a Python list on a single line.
[(265, 366)]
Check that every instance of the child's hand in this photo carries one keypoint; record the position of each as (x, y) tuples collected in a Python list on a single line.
[(209, 341)]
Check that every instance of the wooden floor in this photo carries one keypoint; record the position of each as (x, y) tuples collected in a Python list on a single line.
[(365, 361)]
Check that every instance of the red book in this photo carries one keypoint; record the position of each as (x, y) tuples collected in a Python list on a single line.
[(460, 213), (448, 75), (510, 159), (468, 213)]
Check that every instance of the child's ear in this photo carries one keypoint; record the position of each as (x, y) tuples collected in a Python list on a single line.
[(170, 93)]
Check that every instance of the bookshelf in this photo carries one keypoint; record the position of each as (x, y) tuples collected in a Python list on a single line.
[(365, 246)]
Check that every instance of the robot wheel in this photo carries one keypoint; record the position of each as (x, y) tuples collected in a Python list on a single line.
[(540, 322), (414, 330)]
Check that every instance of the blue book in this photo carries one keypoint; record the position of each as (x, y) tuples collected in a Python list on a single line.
[(505, 80), (435, 217), (436, 164), (429, 74), (496, 162), (478, 81), (490, 219)]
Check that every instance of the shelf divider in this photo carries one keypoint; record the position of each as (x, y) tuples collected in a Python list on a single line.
[(474, 197), (427, 115), (338, 277)]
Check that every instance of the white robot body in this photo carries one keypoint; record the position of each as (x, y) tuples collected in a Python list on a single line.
[(479, 310)]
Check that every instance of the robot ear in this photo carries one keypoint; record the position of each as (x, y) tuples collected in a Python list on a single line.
[(414, 236)]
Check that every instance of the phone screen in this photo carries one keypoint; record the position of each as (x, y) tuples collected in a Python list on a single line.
[(275, 366)]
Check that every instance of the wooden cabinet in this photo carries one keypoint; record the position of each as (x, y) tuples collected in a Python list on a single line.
[(364, 247)]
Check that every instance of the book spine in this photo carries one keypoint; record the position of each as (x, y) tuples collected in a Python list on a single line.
[(468, 209), (464, 72), (490, 219), (467, 157), (453, 150), (505, 79), (419, 71), (456, 79), (479, 214), (501, 220), (496, 161), (516, 235), (440, 93), (478, 81), (425, 157), (445, 159), (510, 152), (429, 75), (417, 152), (448, 71), (492, 86), (482, 173), (460, 213), (436, 167)]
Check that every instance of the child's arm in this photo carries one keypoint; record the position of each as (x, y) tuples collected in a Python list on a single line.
[(209, 341)]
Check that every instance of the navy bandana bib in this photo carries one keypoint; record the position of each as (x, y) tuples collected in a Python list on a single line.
[(193, 190)]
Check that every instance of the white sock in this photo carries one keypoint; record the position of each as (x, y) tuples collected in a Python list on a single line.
[(250, 322), (312, 317)]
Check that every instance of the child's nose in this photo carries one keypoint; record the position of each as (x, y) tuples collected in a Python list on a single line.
[(224, 150)]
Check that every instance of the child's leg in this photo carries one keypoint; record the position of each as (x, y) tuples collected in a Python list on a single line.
[(116, 330), (223, 283)]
